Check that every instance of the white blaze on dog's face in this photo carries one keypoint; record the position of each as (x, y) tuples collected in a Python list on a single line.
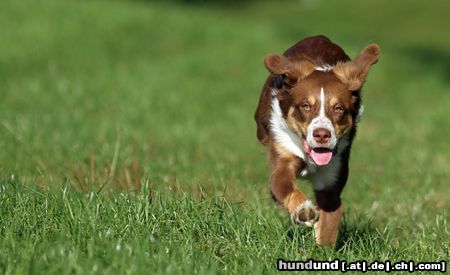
[(320, 133), (321, 106), (321, 111)]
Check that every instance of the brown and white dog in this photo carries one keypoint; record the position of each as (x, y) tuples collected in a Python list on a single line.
[(307, 116)]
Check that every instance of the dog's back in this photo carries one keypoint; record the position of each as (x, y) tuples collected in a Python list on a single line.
[(317, 49)]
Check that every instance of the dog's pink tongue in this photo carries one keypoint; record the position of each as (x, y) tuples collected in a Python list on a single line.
[(321, 158)]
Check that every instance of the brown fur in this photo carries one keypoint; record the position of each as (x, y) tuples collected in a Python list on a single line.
[(354, 73), (285, 168), (317, 50), (298, 93), (326, 228)]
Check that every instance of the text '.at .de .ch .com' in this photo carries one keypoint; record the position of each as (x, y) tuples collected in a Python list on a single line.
[(361, 266)]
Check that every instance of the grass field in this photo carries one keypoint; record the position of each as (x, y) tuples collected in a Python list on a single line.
[(127, 143)]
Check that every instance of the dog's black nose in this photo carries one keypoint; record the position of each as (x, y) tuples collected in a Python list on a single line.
[(321, 135)]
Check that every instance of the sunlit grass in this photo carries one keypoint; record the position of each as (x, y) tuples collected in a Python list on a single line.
[(134, 121)]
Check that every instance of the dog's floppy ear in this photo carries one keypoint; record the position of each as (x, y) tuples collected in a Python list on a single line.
[(354, 73), (280, 65)]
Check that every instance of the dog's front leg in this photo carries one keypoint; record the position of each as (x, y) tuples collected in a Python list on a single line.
[(284, 190), (327, 227)]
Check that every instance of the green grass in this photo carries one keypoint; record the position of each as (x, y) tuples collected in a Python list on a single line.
[(127, 143)]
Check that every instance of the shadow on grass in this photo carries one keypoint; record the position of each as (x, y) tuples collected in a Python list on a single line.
[(360, 232), (222, 3), (430, 58), (357, 233)]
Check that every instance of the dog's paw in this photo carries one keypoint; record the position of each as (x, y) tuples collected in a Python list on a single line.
[(305, 214)]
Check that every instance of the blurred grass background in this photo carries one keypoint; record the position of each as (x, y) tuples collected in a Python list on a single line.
[(120, 94)]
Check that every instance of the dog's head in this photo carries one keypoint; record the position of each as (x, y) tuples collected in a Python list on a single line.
[(320, 105)]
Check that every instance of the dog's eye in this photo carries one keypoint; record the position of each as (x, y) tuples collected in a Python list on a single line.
[(306, 107), (338, 109)]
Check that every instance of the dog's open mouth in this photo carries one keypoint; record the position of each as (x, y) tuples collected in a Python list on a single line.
[(320, 156)]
